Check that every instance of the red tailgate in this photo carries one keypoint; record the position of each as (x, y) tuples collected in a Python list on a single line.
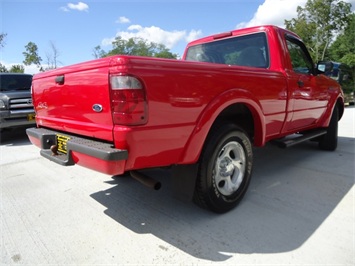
[(75, 99)]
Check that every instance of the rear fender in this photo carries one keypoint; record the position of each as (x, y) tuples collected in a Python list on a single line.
[(209, 115)]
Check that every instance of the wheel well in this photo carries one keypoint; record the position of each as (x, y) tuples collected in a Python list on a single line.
[(340, 107), (238, 114)]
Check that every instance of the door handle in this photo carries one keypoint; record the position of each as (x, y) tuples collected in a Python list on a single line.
[(300, 83), (59, 80)]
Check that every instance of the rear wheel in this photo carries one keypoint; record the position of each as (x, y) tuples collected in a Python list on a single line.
[(225, 169), (329, 141)]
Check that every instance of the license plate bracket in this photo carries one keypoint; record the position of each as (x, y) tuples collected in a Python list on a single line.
[(31, 117)]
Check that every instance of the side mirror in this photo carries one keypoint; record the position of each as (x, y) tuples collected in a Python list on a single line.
[(325, 67)]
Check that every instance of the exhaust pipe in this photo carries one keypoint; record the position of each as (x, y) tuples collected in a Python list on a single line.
[(146, 180)]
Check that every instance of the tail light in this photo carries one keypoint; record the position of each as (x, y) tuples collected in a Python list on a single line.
[(128, 101)]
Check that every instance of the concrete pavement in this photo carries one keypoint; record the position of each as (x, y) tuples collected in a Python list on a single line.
[(299, 210)]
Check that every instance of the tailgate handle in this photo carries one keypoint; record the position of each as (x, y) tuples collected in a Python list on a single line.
[(59, 79)]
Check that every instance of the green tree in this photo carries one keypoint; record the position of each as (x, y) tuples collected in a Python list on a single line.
[(31, 55), (17, 69), (163, 52), (2, 39), (3, 69), (135, 46), (98, 52), (318, 23), (52, 61), (343, 49), (2, 44)]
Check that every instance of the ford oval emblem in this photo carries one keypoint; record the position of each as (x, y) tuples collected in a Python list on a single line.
[(97, 108)]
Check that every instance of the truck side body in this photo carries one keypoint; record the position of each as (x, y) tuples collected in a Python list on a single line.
[(170, 106)]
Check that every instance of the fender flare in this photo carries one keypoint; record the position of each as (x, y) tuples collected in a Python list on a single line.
[(336, 102), (209, 115)]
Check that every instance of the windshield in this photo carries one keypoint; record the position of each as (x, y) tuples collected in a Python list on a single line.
[(13, 82)]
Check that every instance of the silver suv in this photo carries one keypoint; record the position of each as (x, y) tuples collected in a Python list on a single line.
[(16, 108)]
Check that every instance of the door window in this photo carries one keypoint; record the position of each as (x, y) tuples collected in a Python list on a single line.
[(300, 59)]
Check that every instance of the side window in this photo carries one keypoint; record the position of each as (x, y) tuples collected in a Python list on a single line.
[(301, 63)]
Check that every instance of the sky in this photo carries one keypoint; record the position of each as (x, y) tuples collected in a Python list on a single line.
[(76, 27)]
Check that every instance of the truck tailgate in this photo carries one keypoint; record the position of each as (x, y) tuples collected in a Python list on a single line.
[(75, 99)]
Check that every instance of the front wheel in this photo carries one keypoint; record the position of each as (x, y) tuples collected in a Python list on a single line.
[(225, 169)]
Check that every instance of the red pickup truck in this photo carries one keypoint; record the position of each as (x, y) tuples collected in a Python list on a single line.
[(201, 115)]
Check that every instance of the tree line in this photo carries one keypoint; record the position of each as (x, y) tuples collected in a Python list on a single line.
[(327, 27)]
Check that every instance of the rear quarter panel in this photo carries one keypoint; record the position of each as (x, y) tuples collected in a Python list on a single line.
[(184, 98)]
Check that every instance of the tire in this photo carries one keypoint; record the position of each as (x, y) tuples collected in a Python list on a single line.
[(329, 141), (224, 170)]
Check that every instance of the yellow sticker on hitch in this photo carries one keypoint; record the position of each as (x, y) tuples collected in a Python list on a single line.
[(62, 143)]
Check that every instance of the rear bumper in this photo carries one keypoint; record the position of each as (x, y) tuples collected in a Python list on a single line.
[(92, 154)]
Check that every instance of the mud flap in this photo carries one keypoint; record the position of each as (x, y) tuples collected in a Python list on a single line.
[(184, 181)]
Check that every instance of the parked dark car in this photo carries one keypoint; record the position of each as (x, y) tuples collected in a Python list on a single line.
[(344, 75), (16, 108)]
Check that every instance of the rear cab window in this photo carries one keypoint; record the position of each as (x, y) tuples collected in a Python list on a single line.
[(249, 50)]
